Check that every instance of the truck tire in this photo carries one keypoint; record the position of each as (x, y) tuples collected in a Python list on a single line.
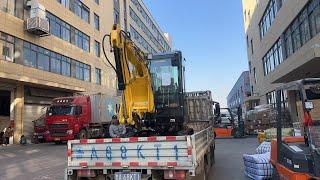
[(101, 177), (57, 142), (82, 134), (206, 167), (212, 156)]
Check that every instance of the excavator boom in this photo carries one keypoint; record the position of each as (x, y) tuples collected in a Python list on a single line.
[(134, 78)]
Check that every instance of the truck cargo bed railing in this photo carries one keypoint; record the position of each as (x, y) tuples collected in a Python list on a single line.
[(161, 152)]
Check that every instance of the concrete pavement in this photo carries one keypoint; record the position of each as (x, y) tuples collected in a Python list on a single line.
[(48, 161), (33, 162), (228, 155)]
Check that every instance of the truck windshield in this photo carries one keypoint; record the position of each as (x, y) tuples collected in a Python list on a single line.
[(61, 110)]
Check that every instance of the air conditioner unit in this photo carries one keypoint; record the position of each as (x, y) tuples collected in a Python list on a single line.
[(37, 23), (38, 26)]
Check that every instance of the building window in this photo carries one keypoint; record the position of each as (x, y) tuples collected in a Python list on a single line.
[(66, 32), (97, 48), (65, 66), (116, 17), (269, 16), (8, 6), (43, 59), (304, 27), (250, 66), (272, 98), (97, 1), (82, 40), (273, 58), (96, 22), (6, 47), (251, 43), (82, 71), (255, 75), (247, 40), (38, 57), (146, 30), (159, 35), (77, 7), (98, 76), (140, 40), (65, 3), (55, 65)]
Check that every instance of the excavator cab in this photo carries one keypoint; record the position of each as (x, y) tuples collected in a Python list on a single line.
[(167, 72), (298, 157)]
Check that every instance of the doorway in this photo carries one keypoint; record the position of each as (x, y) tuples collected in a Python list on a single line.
[(5, 97)]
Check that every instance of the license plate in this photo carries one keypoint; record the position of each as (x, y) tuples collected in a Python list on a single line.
[(57, 139), (127, 176), (40, 136)]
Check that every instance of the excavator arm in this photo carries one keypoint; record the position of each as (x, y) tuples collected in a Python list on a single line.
[(134, 78)]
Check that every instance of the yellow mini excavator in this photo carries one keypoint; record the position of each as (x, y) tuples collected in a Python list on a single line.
[(151, 85)]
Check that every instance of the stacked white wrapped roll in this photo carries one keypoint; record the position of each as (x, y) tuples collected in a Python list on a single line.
[(264, 147), (258, 166)]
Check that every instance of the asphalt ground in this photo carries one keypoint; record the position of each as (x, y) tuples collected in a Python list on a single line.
[(48, 161)]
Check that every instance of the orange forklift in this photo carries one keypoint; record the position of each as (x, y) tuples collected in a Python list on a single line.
[(298, 158), (226, 125)]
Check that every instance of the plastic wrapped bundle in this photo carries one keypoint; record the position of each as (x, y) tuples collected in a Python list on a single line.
[(264, 148), (258, 166)]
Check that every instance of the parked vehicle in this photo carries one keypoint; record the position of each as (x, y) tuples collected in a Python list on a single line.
[(153, 102), (298, 157), (40, 130), (224, 124), (79, 117), (162, 157)]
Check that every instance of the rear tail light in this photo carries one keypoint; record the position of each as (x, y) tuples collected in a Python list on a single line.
[(172, 174)]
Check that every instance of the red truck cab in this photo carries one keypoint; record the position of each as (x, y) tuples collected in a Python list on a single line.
[(68, 118)]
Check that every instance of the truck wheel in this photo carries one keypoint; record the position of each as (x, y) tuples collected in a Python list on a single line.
[(101, 177), (212, 155), (237, 134), (57, 142), (36, 140), (82, 134), (206, 167)]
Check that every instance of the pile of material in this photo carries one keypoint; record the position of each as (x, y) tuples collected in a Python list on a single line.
[(264, 117), (272, 133), (258, 166)]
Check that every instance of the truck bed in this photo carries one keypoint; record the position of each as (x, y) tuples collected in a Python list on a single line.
[(162, 152)]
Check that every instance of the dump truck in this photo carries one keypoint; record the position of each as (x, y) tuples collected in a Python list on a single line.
[(153, 98)]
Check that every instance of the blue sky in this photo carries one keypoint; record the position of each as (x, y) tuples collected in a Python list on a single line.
[(211, 36)]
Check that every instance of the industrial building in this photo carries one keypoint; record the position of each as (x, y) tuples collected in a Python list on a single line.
[(238, 93), (282, 44), (52, 48)]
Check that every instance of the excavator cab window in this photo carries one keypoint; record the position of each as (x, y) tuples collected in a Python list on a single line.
[(166, 82)]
